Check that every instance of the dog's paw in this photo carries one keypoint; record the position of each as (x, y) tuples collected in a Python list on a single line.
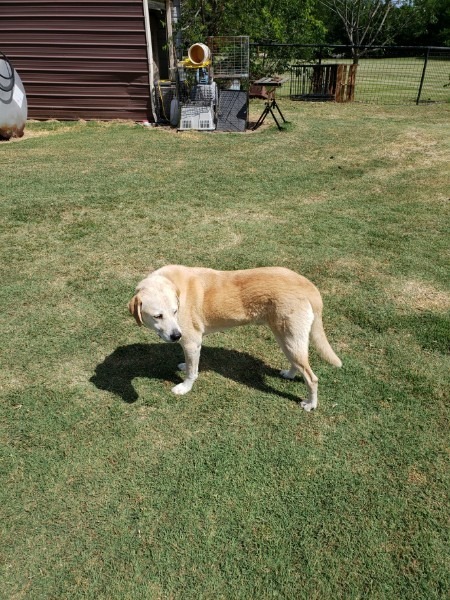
[(308, 406), (182, 366), (286, 374), (182, 388)]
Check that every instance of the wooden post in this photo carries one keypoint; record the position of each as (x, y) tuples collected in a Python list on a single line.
[(171, 46), (351, 83), (151, 66), (345, 83), (340, 83)]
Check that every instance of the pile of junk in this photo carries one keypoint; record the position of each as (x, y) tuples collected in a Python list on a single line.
[(209, 89)]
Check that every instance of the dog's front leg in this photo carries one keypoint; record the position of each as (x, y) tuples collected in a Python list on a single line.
[(192, 357)]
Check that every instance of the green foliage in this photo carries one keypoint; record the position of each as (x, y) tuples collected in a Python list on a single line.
[(278, 21), (425, 22), (262, 20)]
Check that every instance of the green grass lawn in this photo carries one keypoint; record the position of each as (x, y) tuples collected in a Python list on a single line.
[(114, 488)]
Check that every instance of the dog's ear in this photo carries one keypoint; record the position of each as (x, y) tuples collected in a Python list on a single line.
[(134, 306)]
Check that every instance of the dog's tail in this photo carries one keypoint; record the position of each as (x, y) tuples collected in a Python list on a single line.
[(321, 342)]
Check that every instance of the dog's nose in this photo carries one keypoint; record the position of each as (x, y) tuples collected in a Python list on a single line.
[(175, 336)]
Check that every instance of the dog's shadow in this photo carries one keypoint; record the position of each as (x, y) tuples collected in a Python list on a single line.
[(159, 361)]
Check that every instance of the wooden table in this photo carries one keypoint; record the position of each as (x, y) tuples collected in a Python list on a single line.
[(270, 104)]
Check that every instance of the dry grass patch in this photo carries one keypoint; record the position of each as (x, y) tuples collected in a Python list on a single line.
[(415, 477), (414, 148), (418, 295), (411, 142)]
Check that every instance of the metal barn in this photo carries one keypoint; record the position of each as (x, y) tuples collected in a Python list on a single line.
[(89, 59)]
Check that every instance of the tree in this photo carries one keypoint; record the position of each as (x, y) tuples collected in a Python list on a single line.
[(282, 21), (365, 22), (428, 23), (286, 21)]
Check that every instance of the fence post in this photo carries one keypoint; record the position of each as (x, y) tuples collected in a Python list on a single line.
[(422, 79), (320, 54)]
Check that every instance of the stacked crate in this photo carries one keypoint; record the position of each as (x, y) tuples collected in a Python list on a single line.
[(197, 110), (230, 69)]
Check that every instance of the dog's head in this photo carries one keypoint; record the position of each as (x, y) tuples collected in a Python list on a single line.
[(155, 305)]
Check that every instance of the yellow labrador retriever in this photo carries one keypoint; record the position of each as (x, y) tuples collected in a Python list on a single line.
[(185, 303)]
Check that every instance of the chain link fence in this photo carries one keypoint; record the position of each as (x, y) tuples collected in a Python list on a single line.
[(382, 75)]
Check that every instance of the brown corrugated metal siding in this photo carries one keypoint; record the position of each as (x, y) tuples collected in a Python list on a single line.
[(80, 59)]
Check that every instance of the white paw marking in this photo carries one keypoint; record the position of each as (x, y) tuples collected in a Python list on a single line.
[(182, 388), (286, 374), (308, 406)]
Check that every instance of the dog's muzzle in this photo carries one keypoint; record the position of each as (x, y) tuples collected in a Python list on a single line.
[(175, 336)]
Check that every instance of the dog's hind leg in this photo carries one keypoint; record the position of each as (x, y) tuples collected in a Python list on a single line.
[(285, 373), (298, 357), (312, 383), (292, 335)]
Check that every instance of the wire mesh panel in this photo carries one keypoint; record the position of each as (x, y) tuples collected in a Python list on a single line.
[(389, 80), (416, 76), (230, 57), (382, 75), (436, 76)]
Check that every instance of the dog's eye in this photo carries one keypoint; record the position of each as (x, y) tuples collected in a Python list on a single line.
[(158, 316)]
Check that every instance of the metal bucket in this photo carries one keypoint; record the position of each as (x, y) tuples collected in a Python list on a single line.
[(13, 101)]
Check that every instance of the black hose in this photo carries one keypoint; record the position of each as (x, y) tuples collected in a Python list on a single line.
[(9, 78)]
